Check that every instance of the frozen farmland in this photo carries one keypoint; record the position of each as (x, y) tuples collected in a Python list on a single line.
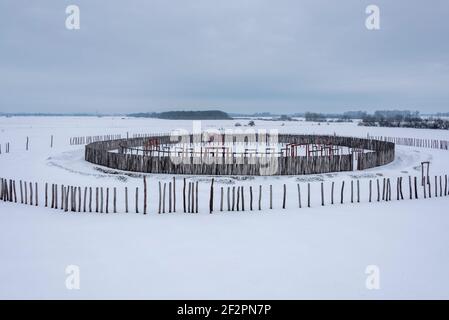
[(195, 235)]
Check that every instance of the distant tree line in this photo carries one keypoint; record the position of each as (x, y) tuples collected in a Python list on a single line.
[(185, 115), (403, 119)]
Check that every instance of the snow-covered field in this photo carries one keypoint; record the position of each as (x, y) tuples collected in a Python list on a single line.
[(318, 252)]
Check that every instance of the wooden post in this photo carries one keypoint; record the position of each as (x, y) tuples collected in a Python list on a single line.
[(342, 192), (192, 197), (85, 199), (174, 194), (184, 195), (14, 190), (388, 189), (370, 189), (243, 198), (211, 201), (46, 194), (137, 199), (169, 197), (436, 186), (145, 195), (250, 198), (74, 202), (66, 198), (322, 194), (159, 211), (163, 197), (221, 199), (101, 200), (63, 196), (229, 198), (238, 198), (416, 187), (378, 190), (233, 198), (26, 192), (21, 192), (400, 189), (271, 196), (308, 195), (284, 196), (397, 188), (31, 194), (196, 197), (115, 200), (90, 199), (107, 200), (96, 200), (299, 195), (441, 186), (410, 187), (358, 191), (73, 199), (384, 189), (6, 190), (79, 199), (52, 195), (260, 197), (352, 191), (126, 199), (70, 198), (10, 190), (56, 196), (188, 198)]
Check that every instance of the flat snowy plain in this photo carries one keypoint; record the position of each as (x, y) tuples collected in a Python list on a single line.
[(318, 252)]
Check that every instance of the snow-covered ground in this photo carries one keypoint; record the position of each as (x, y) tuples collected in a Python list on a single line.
[(318, 252)]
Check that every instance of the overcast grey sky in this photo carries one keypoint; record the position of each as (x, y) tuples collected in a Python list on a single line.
[(235, 55)]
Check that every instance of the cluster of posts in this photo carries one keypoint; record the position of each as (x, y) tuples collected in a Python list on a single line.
[(105, 153), (90, 139), (6, 149), (231, 198), (415, 142), (27, 145)]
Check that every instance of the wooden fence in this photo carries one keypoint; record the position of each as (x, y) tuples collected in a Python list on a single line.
[(186, 199), (415, 142), (91, 139), (110, 154)]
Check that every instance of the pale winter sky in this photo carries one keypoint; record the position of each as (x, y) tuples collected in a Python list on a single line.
[(235, 55)]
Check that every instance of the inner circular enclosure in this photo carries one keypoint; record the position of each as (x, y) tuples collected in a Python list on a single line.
[(241, 154)]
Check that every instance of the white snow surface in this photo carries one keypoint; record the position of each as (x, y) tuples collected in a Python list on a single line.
[(318, 252)]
